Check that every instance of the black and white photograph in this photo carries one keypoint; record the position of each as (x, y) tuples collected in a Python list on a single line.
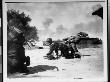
[(62, 40)]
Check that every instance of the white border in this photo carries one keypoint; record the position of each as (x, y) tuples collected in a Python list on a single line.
[(4, 42), (5, 79), (105, 39)]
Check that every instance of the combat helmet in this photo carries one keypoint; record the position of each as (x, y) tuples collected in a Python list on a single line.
[(49, 40)]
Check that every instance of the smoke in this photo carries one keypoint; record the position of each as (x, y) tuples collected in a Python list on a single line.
[(60, 20), (60, 29), (77, 28), (47, 22), (46, 32), (93, 27), (61, 32)]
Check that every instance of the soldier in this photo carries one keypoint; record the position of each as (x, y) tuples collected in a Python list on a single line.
[(72, 41), (64, 49), (57, 46), (68, 49), (54, 46)]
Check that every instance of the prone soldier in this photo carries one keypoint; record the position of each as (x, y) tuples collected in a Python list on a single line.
[(68, 48), (72, 48)]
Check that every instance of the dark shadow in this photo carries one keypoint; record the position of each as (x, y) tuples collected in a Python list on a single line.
[(1, 77), (0, 59), (41, 68), (52, 57), (99, 12), (82, 46)]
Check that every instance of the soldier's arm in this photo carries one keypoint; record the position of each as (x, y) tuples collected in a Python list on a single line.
[(74, 47), (51, 49)]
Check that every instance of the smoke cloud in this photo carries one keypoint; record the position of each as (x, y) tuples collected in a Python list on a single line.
[(62, 19), (47, 22)]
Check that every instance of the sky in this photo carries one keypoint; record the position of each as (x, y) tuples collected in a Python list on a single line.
[(59, 20)]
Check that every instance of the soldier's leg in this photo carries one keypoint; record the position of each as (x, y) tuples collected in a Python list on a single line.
[(66, 51), (56, 51), (76, 54)]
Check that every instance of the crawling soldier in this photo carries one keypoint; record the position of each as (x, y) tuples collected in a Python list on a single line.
[(54, 46)]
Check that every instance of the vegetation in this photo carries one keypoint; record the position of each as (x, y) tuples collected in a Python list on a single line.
[(21, 22)]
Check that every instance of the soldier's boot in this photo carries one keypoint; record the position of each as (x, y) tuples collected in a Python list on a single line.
[(77, 55)]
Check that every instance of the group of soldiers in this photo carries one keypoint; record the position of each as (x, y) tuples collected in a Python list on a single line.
[(67, 48), (18, 62)]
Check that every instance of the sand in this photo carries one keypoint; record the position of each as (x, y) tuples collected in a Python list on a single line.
[(88, 67)]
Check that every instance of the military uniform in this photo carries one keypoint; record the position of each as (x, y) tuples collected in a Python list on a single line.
[(72, 48), (68, 49), (57, 46), (53, 47)]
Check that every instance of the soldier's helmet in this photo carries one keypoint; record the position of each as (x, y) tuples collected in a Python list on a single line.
[(49, 40)]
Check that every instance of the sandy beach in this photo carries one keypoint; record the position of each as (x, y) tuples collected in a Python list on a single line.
[(88, 67)]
